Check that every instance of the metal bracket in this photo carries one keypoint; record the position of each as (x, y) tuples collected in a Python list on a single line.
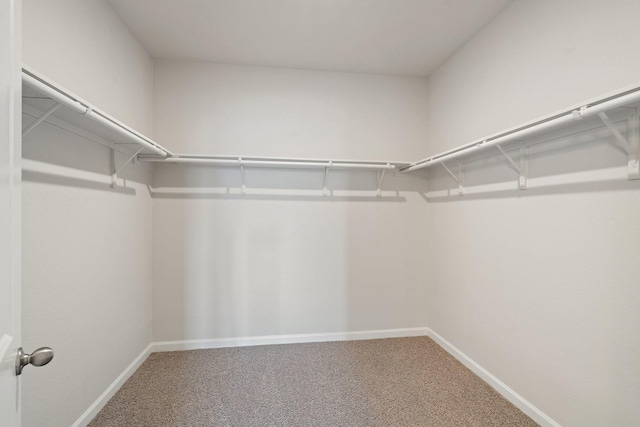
[(631, 150), (524, 167), (521, 169), (577, 114), (325, 191), (633, 133), (380, 179), (40, 119), (630, 143), (243, 189), (113, 167), (114, 175), (458, 178)]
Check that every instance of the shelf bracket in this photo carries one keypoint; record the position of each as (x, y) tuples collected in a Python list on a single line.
[(130, 159), (40, 119), (524, 167), (621, 139), (504, 153), (380, 179), (113, 167), (114, 175), (325, 191), (243, 189), (633, 134), (522, 180), (458, 178)]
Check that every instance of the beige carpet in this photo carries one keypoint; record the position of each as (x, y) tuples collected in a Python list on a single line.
[(390, 382)]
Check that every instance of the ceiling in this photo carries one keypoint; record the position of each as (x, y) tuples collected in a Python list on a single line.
[(399, 37)]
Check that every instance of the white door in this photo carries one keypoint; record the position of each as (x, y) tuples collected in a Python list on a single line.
[(10, 231)]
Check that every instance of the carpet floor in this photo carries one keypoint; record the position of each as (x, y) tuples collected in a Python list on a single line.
[(388, 382)]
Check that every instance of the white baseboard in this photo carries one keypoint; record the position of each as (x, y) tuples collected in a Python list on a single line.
[(96, 406), (518, 401), (286, 339)]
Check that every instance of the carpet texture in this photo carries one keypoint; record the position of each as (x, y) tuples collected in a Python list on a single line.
[(388, 382)]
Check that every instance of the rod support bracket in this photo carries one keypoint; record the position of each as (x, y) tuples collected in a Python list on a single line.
[(243, 187), (132, 159), (380, 179), (325, 190), (631, 149), (114, 170), (40, 119), (633, 135), (521, 168), (577, 114), (457, 179), (524, 167)]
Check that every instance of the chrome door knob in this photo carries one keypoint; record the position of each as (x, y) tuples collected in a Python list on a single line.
[(39, 357)]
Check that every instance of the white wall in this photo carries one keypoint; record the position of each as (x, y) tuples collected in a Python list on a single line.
[(555, 317), (84, 46), (536, 57), (283, 259), (204, 108), (86, 247), (10, 208), (540, 287)]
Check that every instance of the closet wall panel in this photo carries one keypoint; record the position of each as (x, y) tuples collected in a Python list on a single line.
[(85, 47), (540, 287), (283, 259), (204, 108), (86, 246)]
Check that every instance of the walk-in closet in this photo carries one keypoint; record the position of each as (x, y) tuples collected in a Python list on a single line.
[(320, 213)]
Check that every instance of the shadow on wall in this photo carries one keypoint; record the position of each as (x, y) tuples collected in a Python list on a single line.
[(584, 158), (173, 181), (228, 265), (55, 156)]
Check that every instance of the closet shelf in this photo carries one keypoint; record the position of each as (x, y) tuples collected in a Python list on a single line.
[(46, 98), (281, 162), (276, 162), (50, 99), (597, 108)]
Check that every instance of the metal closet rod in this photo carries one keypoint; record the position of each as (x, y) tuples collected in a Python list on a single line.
[(88, 111), (276, 162), (584, 112)]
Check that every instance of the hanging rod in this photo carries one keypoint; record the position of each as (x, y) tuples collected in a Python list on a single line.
[(70, 101), (270, 162), (568, 116)]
